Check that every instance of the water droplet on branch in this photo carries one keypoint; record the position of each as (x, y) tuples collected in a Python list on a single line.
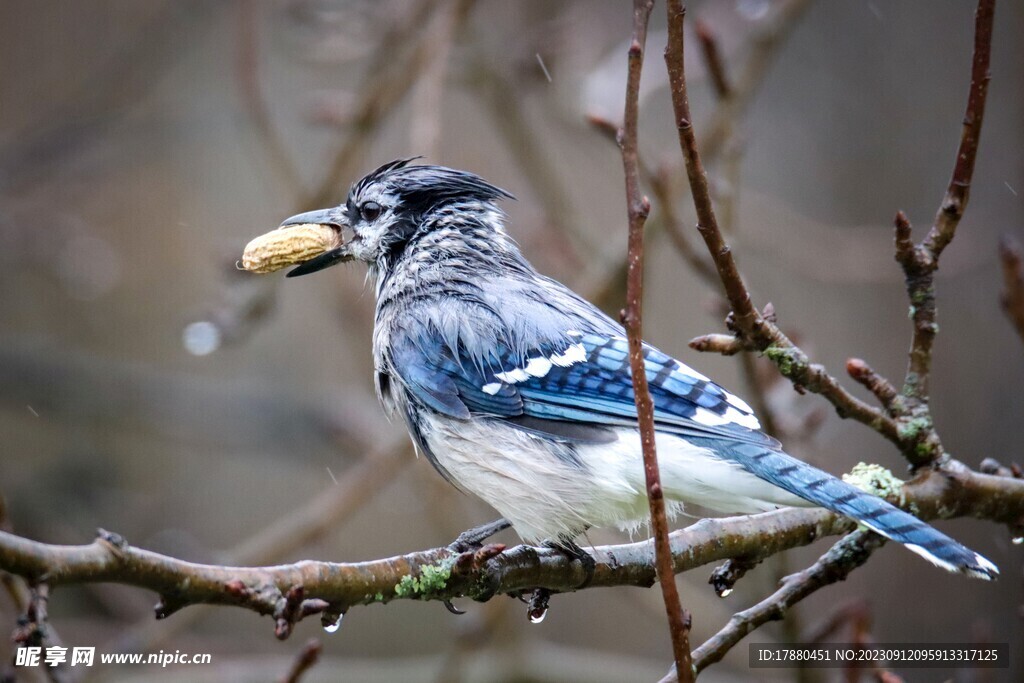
[(331, 621)]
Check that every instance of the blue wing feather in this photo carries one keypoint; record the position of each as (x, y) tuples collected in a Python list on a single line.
[(582, 378)]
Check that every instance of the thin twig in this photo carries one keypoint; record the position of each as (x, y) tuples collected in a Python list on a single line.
[(918, 439), (955, 201), (666, 218), (304, 661), (883, 390), (757, 331), (713, 60), (638, 210), (835, 565), (735, 289), (660, 183), (764, 48), (35, 630)]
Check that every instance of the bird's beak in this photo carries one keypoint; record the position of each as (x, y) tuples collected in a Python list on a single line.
[(333, 218)]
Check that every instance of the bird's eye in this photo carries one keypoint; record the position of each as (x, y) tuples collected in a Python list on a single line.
[(370, 211)]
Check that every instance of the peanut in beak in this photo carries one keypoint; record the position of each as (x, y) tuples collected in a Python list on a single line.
[(288, 246)]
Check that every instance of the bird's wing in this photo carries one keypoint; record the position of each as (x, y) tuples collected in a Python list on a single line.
[(580, 378)]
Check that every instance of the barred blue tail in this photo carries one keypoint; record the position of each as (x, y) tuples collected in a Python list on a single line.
[(823, 489)]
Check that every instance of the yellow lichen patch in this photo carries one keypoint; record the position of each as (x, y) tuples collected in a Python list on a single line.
[(287, 246)]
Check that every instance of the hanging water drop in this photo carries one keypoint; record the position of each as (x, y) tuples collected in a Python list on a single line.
[(538, 605), (331, 622), (724, 593), (1017, 540)]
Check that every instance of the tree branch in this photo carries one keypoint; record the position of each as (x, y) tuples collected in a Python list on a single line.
[(835, 565), (906, 420), (638, 209), (293, 591), (306, 659), (713, 60), (757, 332), (947, 218), (707, 224), (918, 439)]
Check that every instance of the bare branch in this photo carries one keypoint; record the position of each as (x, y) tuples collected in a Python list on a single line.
[(35, 630), (306, 659), (322, 513), (883, 390), (918, 439), (950, 490), (660, 182), (953, 204), (713, 60), (638, 210), (835, 565), (763, 49), (757, 331), (707, 224), (660, 186), (906, 421)]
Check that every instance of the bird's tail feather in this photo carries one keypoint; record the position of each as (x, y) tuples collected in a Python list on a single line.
[(823, 489)]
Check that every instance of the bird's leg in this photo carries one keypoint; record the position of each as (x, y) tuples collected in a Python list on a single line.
[(472, 539)]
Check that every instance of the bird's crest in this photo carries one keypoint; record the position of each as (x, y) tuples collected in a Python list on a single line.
[(424, 187)]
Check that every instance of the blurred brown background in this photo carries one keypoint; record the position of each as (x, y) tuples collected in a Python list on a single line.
[(148, 388)]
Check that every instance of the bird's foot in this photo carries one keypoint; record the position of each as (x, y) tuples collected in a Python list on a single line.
[(469, 546), (472, 539), (575, 552)]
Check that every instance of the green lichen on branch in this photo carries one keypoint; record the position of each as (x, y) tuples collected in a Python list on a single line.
[(433, 579), (917, 436), (789, 360), (874, 479), (912, 429)]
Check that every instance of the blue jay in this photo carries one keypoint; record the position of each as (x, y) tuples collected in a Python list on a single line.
[(518, 390)]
